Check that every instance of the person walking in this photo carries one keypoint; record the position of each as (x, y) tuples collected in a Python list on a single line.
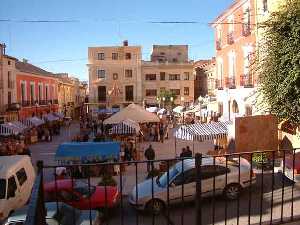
[(188, 152), (161, 133), (182, 154), (150, 155)]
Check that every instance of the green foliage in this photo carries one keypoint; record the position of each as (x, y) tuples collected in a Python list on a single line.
[(107, 180), (167, 94), (279, 63), (259, 158)]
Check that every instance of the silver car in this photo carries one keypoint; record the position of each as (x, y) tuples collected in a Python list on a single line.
[(183, 173)]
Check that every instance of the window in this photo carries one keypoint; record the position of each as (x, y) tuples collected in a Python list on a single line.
[(210, 171), (129, 93), (40, 92), (22, 177), (9, 97), (162, 89), (128, 55), (162, 75), (101, 74), (265, 6), (12, 187), (150, 76), (248, 110), (101, 93), (47, 92), (114, 56), (9, 80), (23, 91), (186, 91), (2, 188), (128, 73), (186, 75), (175, 60), (175, 91), (101, 56), (151, 92), (115, 76), (8, 62), (187, 177), (32, 93), (162, 53), (231, 59), (174, 76)]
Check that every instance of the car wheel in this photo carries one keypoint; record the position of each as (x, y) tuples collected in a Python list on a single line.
[(232, 191), (155, 206)]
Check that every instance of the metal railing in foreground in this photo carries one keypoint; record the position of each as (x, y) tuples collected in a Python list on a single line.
[(237, 188)]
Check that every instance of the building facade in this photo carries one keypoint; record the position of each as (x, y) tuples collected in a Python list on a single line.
[(115, 75), (36, 90), (235, 35), (171, 70)]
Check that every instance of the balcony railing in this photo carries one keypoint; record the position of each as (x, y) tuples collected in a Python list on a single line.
[(246, 29), (246, 80), (230, 82), (230, 39), (219, 84), (253, 191), (218, 44)]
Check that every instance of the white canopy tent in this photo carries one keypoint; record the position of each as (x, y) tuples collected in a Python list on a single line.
[(12, 128), (178, 109), (33, 122), (152, 109), (127, 126)]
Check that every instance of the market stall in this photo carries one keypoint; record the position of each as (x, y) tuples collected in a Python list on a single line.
[(34, 123), (73, 153)]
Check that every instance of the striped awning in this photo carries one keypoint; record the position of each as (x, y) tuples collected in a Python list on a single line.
[(126, 127), (33, 121), (12, 128), (202, 132)]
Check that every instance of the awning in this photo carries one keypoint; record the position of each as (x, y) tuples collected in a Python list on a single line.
[(50, 117), (152, 109), (162, 111), (178, 109), (59, 115), (202, 132), (12, 128), (33, 122), (128, 126), (107, 111), (88, 151)]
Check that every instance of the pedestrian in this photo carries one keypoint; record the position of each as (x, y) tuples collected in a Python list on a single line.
[(127, 155), (188, 152), (150, 155), (161, 133), (182, 154)]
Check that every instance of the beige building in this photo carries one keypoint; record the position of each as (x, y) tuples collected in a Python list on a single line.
[(115, 75), (7, 84), (169, 69)]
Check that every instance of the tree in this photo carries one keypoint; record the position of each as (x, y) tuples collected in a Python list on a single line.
[(279, 63), (166, 97)]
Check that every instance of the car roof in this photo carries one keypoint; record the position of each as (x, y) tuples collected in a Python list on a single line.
[(190, 163), (9, 163)]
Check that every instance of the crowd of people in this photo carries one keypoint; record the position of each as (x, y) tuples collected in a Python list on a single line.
[(155, 132), (12, 146)]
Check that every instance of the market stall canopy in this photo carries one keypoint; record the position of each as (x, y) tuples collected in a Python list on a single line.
[(50, 117), (12, 128), (152, 109), (178, 109), (133, 112), (126, 127), (203, 131), (88, 151), (162, 111), (33, 122), (107, 111), (59, 115), (194, 109)]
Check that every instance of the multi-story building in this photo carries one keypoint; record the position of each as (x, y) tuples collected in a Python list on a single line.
[(36, 90), (235, 34), (8, 106), (115, 75), (169, 69)]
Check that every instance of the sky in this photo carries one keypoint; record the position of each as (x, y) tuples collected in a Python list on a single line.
[(63, 46)]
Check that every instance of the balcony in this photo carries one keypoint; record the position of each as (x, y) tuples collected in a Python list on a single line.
[(230, 39), (219, 84), (230, 82), (246, 80), (246, 29), (218, 45)]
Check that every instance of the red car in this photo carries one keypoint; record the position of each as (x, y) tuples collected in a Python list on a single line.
[(80, 196)]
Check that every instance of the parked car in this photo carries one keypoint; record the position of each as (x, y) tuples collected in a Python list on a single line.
[(80, 195), (16, 180), (66, 215), (290, 170), (184, 173)]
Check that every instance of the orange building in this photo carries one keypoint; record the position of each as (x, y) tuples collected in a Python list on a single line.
[(36, 90), (235, 35)]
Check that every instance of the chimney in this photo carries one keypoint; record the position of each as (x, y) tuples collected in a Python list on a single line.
[(2, 49), (125, 43), (25, 60)]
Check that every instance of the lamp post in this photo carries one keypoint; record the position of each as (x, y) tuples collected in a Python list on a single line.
[(18, 107), (164, 99), (108, 99), (158, 100)]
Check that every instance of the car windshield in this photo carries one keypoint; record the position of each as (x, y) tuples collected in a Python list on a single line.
[(2, 188), (83, 189), (163, 179)]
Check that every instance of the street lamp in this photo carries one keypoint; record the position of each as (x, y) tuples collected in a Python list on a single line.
[(164, 99), (109, 94), (158, 100), (18, 107)]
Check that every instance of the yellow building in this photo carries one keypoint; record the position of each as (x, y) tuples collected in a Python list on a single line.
[(114, 75)]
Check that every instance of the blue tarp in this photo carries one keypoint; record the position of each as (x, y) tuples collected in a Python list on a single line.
[(107, 111), (88, 151)]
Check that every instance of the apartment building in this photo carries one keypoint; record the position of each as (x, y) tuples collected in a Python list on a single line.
[(115, 75), (169, 69), (235, 35), (8, 107), (36, 90)]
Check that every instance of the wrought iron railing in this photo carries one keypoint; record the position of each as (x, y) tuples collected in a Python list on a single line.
[(246, 80), (253, 190)]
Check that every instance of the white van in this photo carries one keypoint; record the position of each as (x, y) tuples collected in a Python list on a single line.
[(16, 180)]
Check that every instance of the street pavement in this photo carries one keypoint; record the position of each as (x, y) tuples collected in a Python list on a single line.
[(184, 213)]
